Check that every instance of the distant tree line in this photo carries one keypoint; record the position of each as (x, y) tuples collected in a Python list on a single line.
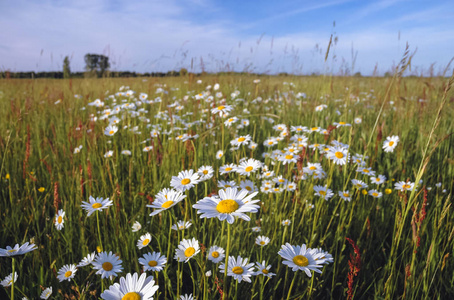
[(57, 75)]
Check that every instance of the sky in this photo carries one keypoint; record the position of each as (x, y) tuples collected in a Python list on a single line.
[(244, 36)]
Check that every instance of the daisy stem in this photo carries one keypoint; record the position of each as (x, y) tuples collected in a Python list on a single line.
[(226, 261), (170, 234), (291, 286), (13, 277), (193, 279), (99, 231)]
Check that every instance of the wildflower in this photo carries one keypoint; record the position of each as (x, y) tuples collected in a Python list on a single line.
[(67, 272), (225, 169), (262, 240), (108, 154), (270, 142), (366, 171), (185, 180), (379, 179), (46, 293), (25, 248), (240, 141), (256, 229), (97, 204), (132, 287), (186, 250), (404, 186), (286, 222), (388, 191), (229, 204), (8, 281), (390, 143), (341, 124), (301, 258), (59, 219), (87, 260), (110, 130), (136, 226), (153, 262), (238, 268), (291, 186), (264, 270), (126, 152), (219, 154), (345, 195), (181, 225), (338, 155), (221, 110), (323, 191), (358, 120), (216, 254), (288, 158), (107, 264), (248, 186), (359, 184), (187, 297), (226, 184), (248, 167), (41, 189), (144, 240), (164, 201), (205, 172)]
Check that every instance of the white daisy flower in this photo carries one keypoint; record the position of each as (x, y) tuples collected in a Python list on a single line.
[(187, 297), (378, 180), (231, 203), (345, 195), (107, 264), (87, 260), (25, 248), (240, 141), (390, 143), (8, 281), (226, 184), (110, 130), (186, 250), (323, 191), (338, 155), (221, 110), (153, 261), (248, 185), (165, 201), (359, 184), (263, 269), (185, 180), (300, 258), (67, 272), (97, 204), (126, 152), (286, 222), (375, 193), (59, 219), (108, 154), (181, 225), (238, 268), (205, 172), (132, 287), (219, 154), (262, 240), (216, 254), (288, 158), (136, 226), (366, 171), (46, 293), (256, 229), (404, 186), (248, 167), (144, 241), (226, 169)]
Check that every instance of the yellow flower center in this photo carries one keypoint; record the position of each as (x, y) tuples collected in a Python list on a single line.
[(145, 242), (189, 252), (227, 206), (301, 261), (346, 195), (323, 193), (12, 250), (96, 205), (406, 186), (248, 169), (312, 168), (228, 169), (227, 185), (215, 254), (391, 143), (375, 194), (185, 181), (152, 263), (248, 188), (131, 296), (237, 270), (281, 180), (167, 204), (111, 132), (265, 271), (270, 142), (314, 128), (59, 219), (339, 154), (221, 107), (205, 172), (262, 243), (68, 273), (241, 139), (342, 123), (366, 171), (289, 156), (107, 266)]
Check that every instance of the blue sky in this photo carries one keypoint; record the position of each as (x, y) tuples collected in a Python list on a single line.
[(259, 36)]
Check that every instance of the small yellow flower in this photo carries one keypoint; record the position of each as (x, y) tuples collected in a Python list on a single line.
[(41, 189), (7, 176), (32, 173), (364, 192), (98, 248), (388, 191)]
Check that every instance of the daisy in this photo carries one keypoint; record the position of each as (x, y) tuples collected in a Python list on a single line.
[(375, 193), (312, 167), (136, 226), (230, 121), (390, 143), (358, 120), (248, 167), (67, 272), (107, 264), (144, 240), (46, 293), (219, 154), (280, 180), (341, 124), (8, 281), (270, 142), (366, 171), (252, 145), (225, 169), (181, 225), (205, 172), (300, 258), (187, 297), (268, 174), (280, 127), (264, 270), (288, 158), (248, 186), (185, 180), (240, 141), (359, 184), (286, 222), (166, 200), (338, 155), (108, 154), (97, 204), (110, 130), (226, 184), (326, 258), (404, 186), (216, 254), (25, 248), (262, 240), (238, 268), (153, 261), (87, 260), (379, 179), (132, 287), (59, 219), (126, 152), (221, 110), (186, 250), (345, 195), (323, 191), (229, 204)]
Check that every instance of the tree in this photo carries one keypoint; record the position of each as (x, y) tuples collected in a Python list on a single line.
[(66, 69), (96, 63)]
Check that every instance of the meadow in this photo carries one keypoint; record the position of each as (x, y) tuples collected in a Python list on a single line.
[(358, 169)]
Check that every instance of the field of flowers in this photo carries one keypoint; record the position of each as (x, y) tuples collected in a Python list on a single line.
[(227, 187)]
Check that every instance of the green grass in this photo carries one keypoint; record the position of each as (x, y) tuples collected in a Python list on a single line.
[(38, 138)]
